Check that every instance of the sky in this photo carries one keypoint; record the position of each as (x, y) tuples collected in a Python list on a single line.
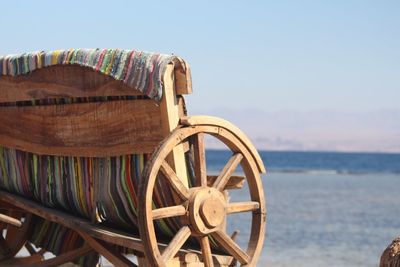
[(294, 75)]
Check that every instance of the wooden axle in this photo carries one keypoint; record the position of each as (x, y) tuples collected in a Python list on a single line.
[(10, 220)]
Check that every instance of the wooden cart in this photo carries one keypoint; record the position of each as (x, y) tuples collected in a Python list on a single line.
[(85, 109)]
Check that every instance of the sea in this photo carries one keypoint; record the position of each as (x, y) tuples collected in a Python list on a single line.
[(323, 208)]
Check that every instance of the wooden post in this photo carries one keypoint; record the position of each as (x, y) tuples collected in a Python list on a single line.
[(170, 108)]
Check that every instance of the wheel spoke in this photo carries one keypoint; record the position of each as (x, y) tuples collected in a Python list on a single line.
[(242, 207), (200, 160), (230, 246), (227, 172), (206, 251), (169, 212), (176, 244), (174, 180)]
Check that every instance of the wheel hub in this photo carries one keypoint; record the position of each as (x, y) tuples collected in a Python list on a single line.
[(207, 210)]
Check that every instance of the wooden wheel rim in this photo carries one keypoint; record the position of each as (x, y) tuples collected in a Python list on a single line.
[(250, 169), (16, 237)]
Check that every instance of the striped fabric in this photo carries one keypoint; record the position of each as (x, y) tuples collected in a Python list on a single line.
[(103, 190), (142, 71), (57, 239)]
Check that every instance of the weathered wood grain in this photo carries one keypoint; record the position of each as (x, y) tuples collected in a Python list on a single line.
[(61, 82), (87, 129)]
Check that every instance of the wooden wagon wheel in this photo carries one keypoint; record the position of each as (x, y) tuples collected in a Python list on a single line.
[(204, 207), (15, 227)]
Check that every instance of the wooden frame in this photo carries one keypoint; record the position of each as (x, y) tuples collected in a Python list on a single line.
[(137, 125)]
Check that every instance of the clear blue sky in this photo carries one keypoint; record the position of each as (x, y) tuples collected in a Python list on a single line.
[(273, 54), (268, 55)]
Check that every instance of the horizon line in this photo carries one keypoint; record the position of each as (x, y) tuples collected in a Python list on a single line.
[(316, 151)]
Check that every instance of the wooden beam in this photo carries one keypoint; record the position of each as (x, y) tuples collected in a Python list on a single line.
[(10, 220), (87, 129), (100, 232), (114, 257), (33, 259), (37, 259), (170, 116), (183, 78), (68, 81), (235, 182)]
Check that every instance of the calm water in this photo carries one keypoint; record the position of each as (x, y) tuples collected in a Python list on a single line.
[(324, 209)]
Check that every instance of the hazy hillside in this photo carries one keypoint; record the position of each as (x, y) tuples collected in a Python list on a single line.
[(318, 130)]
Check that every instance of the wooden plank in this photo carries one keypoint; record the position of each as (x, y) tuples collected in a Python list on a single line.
[(235, 182), (61, 82), (114, 257), (25, 261), (86, 129), (170, 110), (183, 79), (98, 231), (37, 259)]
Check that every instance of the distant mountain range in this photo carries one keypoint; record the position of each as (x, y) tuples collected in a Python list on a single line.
[(318, 130)]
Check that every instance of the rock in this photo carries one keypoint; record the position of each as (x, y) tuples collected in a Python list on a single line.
[(391, 256)]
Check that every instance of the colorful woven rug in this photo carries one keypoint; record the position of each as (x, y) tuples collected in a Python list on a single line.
[(142, 71), (102, 190)]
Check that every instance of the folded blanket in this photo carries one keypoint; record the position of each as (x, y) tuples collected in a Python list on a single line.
[(142, 71)]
